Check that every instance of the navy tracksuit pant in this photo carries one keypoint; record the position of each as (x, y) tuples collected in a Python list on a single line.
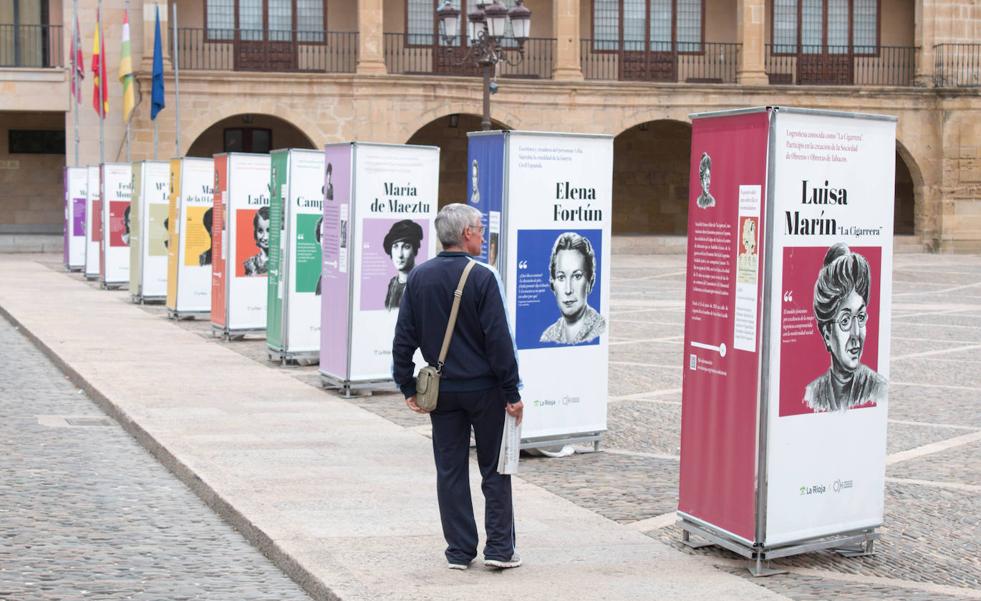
[(455, 414)]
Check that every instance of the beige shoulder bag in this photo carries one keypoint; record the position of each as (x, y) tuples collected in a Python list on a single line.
[(427, 380)]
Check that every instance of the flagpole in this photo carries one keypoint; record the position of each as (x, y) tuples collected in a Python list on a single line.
[(102, 101), (155, 139), (76, 92), (129, 156), (177, 87)]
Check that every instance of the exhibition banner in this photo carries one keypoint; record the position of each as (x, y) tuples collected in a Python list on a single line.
[(389, 195), (76, 193), (829, 318), (485, 189), (241, 251), (117, 190), (294, 291), (148, 220), (555, 225), (335, 313), (786, 358), (189, 233), (93, 222), (720, 378)]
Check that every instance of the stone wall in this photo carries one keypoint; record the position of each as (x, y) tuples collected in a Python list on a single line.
[(32, 188)]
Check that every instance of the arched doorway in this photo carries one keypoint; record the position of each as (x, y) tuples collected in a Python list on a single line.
[(249, 133), (450, 134), (650, 179), (904, 215)]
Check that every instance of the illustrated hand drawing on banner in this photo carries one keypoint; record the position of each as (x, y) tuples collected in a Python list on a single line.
[(840, 329), (390, 251)]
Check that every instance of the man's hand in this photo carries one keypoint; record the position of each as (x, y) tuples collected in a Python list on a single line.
[(515, 410), (411, 403)]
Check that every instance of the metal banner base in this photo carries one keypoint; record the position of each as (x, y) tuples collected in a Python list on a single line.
[(293, 358), (71, 269), (113, 285), (347, 387), (236, 334), (139, 299), (561, 440), (173, 314), (856, 543)]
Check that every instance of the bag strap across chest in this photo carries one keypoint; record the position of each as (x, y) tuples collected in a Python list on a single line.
[(457, 295)]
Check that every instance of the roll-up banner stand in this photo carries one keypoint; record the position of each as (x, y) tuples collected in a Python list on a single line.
[(547, 202), (241, 243), (117, 189), (189, 219), (93, 222), (786, 357), (373, 194), (76, 193), (148, 232), (293, 295)]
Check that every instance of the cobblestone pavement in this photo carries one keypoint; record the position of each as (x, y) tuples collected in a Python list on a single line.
[(86, 513), (930, 547)]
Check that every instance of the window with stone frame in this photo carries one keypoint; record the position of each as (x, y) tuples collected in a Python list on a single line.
[(648, 25), (825, 26)]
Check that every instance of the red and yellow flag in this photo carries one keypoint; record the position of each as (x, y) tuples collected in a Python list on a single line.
[(99, 87)]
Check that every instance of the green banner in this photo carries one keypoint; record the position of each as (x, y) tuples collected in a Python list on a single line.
[(277, 241), (307, 253)]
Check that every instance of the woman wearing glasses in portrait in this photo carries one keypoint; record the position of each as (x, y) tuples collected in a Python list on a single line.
[(841, 296)]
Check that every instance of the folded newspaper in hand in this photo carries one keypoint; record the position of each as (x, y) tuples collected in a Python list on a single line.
[(507, 463)]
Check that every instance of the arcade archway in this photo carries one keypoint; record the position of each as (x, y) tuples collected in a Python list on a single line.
[(248, 133)]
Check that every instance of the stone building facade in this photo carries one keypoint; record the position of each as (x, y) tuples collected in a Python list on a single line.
[(377, 70)]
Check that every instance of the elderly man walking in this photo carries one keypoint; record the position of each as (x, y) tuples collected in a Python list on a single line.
[(479, 384)]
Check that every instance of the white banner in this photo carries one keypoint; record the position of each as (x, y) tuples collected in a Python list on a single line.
[(247, 252), (154, 207), (190, 227), (304, 206), (557, 216), (829, 323), (76, 197), (93, 217), (117, 189), (396, 189)]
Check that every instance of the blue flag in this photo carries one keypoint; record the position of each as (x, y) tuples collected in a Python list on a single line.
[(157, 103)]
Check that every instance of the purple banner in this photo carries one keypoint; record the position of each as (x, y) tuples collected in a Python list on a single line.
[(335, 307), (78, 217)]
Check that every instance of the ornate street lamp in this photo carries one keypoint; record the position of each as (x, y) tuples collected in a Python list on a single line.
[(486, 26)]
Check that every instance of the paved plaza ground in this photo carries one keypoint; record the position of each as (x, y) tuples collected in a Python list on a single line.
[(65, 482)]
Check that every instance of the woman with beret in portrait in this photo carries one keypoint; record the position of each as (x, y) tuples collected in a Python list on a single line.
[(841, 297), (402, 245)]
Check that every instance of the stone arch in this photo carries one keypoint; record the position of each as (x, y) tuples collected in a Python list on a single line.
[(650, 178), (908, 193), (206, 136), (449, 132)]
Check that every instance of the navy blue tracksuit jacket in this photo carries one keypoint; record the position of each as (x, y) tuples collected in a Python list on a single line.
[(482, 351)]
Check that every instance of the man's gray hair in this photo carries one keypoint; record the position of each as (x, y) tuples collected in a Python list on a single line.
[(452, 220)]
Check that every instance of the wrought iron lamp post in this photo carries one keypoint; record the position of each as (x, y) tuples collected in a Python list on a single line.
[(486, 26)]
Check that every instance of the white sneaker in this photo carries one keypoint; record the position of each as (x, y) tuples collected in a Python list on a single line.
[(503, 564), (458, 566)]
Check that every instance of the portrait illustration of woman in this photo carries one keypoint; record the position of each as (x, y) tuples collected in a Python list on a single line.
[(572, 274), (841, 297), (402, 245)]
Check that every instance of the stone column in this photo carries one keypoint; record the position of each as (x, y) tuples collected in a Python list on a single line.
[(371, 38), (565, 24), (751, 34), (924, 37)]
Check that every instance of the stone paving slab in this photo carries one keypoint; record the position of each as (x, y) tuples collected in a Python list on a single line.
[(376, 536)]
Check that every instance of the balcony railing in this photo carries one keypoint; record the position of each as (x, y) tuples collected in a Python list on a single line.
[(36, 46), (957, 65), (419, 54), (841, 65), (701, 62), (267, 51)]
